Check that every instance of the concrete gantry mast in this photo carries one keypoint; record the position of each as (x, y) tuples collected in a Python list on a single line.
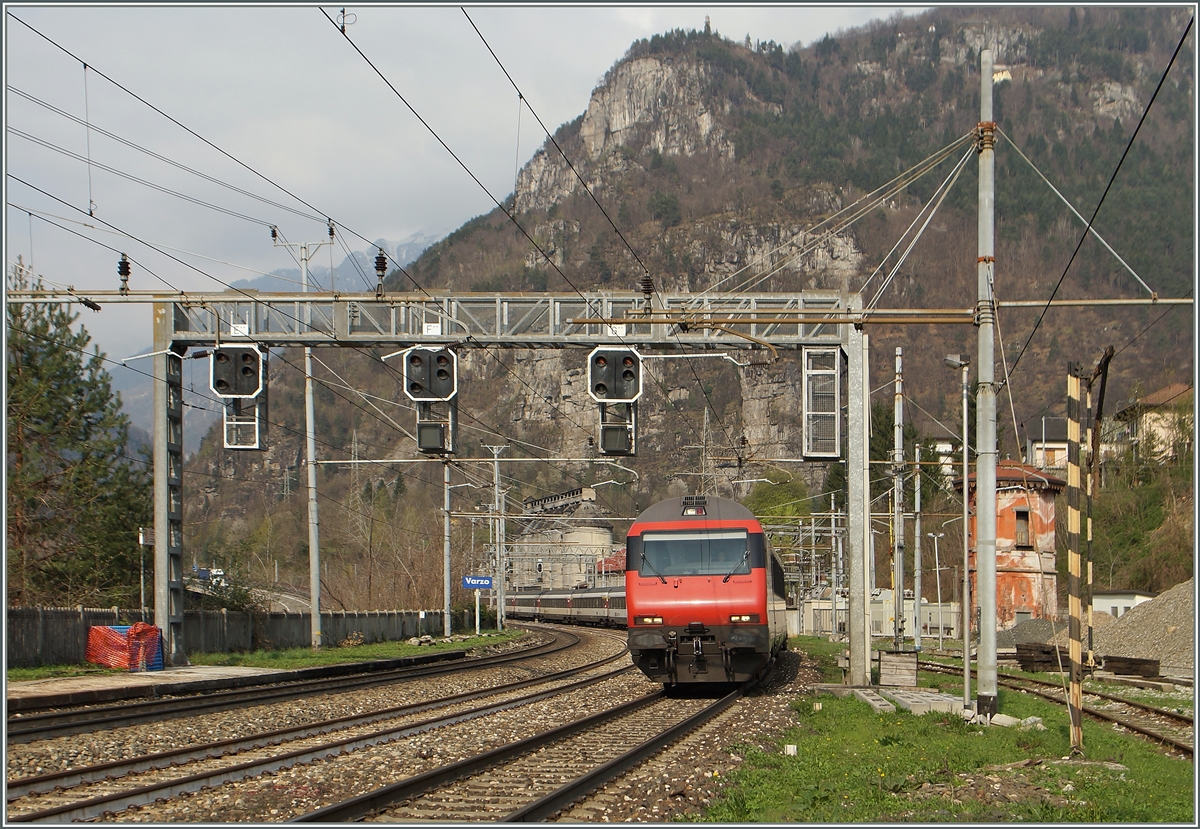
[(985, 412)]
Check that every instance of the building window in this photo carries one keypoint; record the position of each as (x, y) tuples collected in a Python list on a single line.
[(1023, 529)]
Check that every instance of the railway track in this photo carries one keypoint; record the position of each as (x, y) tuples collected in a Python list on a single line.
[(92, 792), (535, 778), (1166, 727), (28, 727)]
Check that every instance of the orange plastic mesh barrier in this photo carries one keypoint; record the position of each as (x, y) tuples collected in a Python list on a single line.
[(136, 647)]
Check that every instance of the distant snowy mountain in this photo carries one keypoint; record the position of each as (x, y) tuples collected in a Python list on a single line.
[(356, 273)]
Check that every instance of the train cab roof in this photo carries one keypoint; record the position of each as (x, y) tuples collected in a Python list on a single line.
[(698, 507)]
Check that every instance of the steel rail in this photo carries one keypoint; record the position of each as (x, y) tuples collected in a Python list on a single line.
[(1121, 721), (118, 801), (1162, 712), (25, 729), (1018, 683), (23, 787), (358, 807), (561, 798)]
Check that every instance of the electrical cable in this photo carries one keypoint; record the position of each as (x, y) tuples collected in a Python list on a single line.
[(461, 163), (247, 295), (211, 398), (1151, 325), (1083, 237), (204, 140), (88, 134), (394, 424), (165, 159), (493, 430), (287, 362), (1008, 386), (280, 187), (509, 214), (354, 261), (932, 206), (141, 265), (587, 189), (917, 405), (1076, 213), (157, 245), (288, 247), (280, 426), (699, 383), (856, 210), (130, 177)]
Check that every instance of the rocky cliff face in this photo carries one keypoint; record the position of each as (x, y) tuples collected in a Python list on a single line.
[(648, 103), (663, 104), (659, 104)]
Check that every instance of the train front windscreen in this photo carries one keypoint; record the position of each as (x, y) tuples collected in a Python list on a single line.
[(709, 553)]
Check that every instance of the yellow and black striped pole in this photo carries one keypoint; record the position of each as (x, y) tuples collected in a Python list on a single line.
[(1090, 658), (1075, 694)]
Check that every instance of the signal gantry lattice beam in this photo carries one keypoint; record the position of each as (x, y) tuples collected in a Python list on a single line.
[(676, 322)]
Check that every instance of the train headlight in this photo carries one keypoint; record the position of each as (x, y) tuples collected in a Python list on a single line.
[(647, 620), (751, 618)]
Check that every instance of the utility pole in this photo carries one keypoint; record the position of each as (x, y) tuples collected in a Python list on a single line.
[(446, 550), (985, 414), (310, 442), (499, 534), (835, 562), (1093, 487), (898, 504), (858, 514), (1075, 690), (917, 551), (963, 363)]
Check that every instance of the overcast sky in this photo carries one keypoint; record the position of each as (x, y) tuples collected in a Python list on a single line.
[(280, 90)]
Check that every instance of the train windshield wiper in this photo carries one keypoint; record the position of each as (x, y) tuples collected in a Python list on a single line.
[(654, 569), (745, 557)]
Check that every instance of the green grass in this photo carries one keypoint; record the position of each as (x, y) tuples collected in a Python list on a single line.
[(853, 766), (281, 659), (51, 671)]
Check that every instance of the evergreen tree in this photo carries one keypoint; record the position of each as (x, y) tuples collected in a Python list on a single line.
[(784, 498), (74, 497)]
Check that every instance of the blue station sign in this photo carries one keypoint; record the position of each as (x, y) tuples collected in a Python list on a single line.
[(477, 582)]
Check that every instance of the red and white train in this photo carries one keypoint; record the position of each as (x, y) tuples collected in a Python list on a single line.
[(704, 596), (704, 592)]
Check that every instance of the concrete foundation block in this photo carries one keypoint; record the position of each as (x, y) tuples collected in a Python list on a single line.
[(873, 699)]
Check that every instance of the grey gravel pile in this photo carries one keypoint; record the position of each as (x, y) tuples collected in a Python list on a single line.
[(1162, 628), (1045, 631), (1031, 630)]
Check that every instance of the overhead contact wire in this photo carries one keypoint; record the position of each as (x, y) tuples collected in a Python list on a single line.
[(1083, 236), (507, 213), (201, 138), (549, 135)]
